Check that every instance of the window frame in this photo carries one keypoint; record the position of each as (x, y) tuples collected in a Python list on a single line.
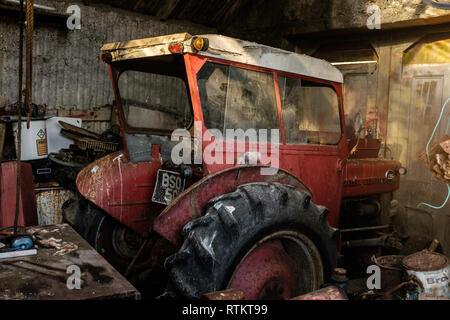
[(329, 84), (337, 87), (117, 72), (244, 67)]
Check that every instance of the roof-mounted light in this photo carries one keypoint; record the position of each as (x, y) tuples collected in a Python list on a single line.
[(200, 44), (107, 57), (176, 47)]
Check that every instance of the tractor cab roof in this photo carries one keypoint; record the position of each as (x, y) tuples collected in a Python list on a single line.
[(226, 48)]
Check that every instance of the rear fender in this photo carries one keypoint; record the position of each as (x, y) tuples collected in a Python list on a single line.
[(189, 205)]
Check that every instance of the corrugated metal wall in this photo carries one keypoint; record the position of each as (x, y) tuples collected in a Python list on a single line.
[(68, 72)]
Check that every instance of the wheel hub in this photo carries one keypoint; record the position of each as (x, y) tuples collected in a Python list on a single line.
[(125, 242), (267, 273)]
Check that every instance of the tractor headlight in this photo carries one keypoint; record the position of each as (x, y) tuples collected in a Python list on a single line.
[(390, 176)]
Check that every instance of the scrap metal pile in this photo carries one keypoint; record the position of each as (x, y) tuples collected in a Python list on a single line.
[(88, 146), (438, 159)]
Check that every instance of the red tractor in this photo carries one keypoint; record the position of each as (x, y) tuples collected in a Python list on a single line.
[(259, 217)]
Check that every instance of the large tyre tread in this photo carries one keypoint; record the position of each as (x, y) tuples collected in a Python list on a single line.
[(235, 221)]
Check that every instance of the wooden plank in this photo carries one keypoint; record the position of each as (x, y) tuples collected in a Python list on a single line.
[(44, 276), (103, 114), (2, 138)]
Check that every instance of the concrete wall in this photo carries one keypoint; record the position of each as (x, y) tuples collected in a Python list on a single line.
[(68, 72), (274, 21)]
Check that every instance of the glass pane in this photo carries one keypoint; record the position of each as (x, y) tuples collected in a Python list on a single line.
[(236, 98), (153, 101), (310, 112)]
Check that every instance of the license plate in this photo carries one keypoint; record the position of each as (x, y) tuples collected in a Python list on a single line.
[(169, 185)]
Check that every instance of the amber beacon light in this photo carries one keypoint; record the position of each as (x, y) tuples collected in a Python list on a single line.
[(200, 44)]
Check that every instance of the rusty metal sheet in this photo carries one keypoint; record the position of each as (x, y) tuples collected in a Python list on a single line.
[(49, 205), (43, 276)]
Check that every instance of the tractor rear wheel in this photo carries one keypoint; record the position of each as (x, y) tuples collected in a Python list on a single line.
[(268, 240)]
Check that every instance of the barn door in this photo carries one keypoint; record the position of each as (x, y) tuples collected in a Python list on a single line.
[(426, 78), (426, 87)]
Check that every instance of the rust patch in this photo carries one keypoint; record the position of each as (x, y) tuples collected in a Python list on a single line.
[(425, 261)]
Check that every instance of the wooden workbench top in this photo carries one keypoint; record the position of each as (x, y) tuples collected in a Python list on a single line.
[(44, 276)]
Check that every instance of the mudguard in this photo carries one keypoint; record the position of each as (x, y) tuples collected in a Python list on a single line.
[(122, 189), (190, 204)]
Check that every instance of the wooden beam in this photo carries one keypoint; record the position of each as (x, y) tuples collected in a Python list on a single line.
[(167, 9), (138, 5), (102, 114), (232, 14)]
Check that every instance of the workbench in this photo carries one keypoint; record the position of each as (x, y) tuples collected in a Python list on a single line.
[(44, 276)]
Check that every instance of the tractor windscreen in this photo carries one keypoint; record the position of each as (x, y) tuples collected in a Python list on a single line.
[(236, 98), (154, 101)]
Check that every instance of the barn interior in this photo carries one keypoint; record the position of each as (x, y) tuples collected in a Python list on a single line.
[(62, 120)]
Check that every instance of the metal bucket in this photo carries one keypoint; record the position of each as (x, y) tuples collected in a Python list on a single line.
[(392, 271), (432, 270)]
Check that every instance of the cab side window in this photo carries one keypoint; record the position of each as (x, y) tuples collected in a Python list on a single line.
[(310, 112)]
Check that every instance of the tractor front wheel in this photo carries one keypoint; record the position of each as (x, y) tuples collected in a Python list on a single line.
[(114, 241), (268, 240)]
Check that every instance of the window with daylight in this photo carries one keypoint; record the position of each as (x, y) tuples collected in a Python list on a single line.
[(154, 101), (310, 112)]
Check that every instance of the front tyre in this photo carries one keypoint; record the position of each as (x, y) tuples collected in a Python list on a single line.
[(268, 240)]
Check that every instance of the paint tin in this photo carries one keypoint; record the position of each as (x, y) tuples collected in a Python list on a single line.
[(33, 140), (392, 271), (432, 270)]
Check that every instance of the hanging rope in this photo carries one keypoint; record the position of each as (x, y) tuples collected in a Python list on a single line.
[(19, 122), (29, 59), (428, 157)]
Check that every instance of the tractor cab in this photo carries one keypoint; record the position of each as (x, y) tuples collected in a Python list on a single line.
[(239, 102)]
